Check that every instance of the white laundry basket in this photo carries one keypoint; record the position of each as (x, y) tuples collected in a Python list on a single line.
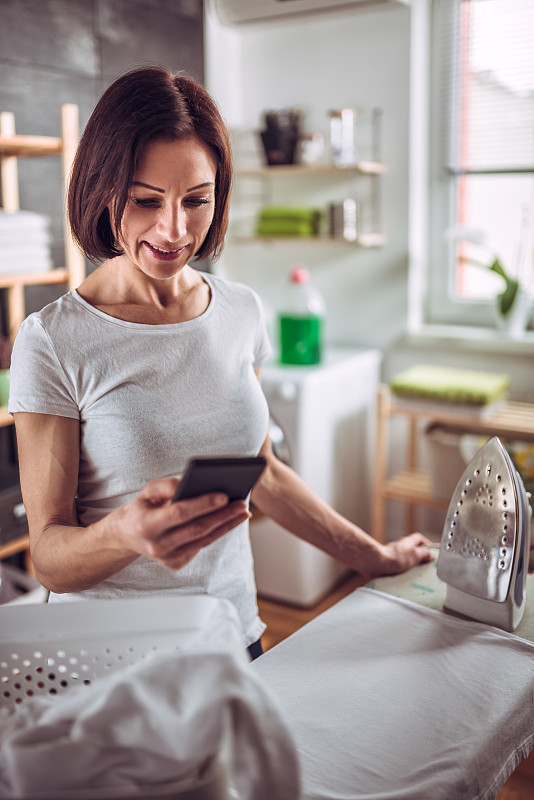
[(46, 649), (49, 649)]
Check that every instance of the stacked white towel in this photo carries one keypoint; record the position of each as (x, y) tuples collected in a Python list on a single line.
[(25, 240)]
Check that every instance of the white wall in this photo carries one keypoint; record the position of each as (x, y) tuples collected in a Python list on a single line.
[(356, 58)]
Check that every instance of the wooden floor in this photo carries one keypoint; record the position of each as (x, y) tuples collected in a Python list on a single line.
[(283, 620)]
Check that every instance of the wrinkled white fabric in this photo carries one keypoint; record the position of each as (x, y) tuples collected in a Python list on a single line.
[(156, 721), (388, 700)]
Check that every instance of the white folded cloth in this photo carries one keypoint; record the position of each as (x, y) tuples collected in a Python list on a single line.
[(22, 221), (159, 720), (26, 259), (25, 240), (28, 236)]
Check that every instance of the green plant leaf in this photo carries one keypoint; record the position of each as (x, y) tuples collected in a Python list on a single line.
[(497, 267), (505, 299)]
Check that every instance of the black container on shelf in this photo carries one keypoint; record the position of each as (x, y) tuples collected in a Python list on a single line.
[(280, 136)]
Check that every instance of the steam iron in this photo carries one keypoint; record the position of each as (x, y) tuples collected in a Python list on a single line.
[(485, 545)]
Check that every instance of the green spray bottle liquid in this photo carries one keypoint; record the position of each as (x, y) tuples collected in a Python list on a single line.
[(301, 320)]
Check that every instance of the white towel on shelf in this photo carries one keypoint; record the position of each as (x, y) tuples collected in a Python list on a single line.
[(159, 720), (11, 239), (26, 259), (25, 242), (22, 221)]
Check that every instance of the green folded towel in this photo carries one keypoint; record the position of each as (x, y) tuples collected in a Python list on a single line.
[(450, 385), (290, 212), (288, 221), (290, 227)]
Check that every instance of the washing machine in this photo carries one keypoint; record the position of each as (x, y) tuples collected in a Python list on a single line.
[(324, 426)]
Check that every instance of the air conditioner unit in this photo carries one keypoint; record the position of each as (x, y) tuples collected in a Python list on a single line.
[(237, 12)]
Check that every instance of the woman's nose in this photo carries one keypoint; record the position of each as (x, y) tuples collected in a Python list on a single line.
[(172, 223)]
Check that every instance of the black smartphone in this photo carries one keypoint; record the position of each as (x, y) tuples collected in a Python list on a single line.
[(233, 475)]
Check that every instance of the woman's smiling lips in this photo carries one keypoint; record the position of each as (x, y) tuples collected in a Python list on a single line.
[(161, 254)]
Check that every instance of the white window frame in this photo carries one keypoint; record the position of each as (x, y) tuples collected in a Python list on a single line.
[(465, 319)]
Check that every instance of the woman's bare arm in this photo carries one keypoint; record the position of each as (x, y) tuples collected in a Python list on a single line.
[(282, 495), (68, 557)]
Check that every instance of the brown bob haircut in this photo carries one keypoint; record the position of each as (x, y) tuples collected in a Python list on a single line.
[(144, 105)]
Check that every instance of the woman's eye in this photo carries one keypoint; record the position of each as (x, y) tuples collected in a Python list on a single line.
[(155, 202), (198, 201), (145, 202)]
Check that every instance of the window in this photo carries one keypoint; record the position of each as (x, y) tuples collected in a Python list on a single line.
[(480, 191)]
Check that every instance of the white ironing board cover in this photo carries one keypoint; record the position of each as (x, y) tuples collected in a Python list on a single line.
[(388, 700)]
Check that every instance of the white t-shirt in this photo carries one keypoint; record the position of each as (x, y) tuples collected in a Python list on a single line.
[(149, 397)]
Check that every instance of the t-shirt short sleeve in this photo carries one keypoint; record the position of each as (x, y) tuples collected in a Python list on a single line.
[(263, 350), (37, 381)]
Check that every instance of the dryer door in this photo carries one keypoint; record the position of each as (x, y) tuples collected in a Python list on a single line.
[(279, 442)]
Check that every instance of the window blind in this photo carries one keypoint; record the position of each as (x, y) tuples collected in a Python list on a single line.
[(484, 85)]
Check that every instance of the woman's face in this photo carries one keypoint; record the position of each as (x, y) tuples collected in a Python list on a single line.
[(170, 206)]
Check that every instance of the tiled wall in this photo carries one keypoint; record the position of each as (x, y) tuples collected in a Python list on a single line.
[(67, 51)]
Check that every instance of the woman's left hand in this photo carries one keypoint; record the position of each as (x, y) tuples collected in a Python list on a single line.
[(402, 554)]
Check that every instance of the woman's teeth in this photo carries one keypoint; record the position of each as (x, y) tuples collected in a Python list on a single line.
[(161, 250), (162, 253)]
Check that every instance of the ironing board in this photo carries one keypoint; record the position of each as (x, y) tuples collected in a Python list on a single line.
[(391, 699), (422, 585)]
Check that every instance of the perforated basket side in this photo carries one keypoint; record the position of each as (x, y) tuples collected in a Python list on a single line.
[(28, 670), (46, 650)]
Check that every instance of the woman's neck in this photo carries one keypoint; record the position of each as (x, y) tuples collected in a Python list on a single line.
[(124, 292)]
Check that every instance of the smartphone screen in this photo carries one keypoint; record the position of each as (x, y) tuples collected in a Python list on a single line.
[(233, 475)]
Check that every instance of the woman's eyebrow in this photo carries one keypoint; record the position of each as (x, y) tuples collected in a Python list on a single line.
[(148, 186), (162, 191), (201, 186)]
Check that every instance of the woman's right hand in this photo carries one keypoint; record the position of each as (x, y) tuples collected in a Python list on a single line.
[(173, 533)]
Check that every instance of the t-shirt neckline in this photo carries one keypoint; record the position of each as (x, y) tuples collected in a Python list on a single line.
[(146, 326)]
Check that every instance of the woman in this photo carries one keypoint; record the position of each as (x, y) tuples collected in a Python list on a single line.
[(150, 362)]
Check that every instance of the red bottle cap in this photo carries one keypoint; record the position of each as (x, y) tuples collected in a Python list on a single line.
[(299, 274)]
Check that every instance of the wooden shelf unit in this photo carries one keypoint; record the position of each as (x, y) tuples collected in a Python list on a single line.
[(411, 486), (12, 147), (365, 240), (362, 168), (266, 175), (20, 146)]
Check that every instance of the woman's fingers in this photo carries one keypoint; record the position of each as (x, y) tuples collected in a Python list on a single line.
[(173, 533), (195, 529), (158, 521), (407, 552), (180, 552), (152, 512)]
